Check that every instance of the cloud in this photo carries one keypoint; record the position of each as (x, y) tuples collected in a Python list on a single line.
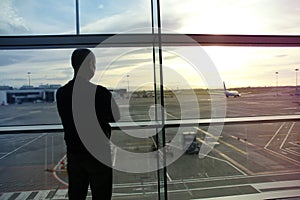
[(116, 23), (101, 6), (281, 55), (36, 17), (46, 66), (117, 17), (9, 59), (10, 21), (231, 17)]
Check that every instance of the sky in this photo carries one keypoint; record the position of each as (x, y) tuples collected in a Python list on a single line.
[(132, 67)]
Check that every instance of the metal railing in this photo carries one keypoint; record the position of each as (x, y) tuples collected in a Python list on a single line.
[(154, 124)]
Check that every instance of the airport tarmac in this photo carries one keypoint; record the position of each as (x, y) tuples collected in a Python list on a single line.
[(247, 159)]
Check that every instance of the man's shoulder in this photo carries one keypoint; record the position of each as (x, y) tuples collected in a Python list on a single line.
[(67, 85), (103, 90), (64, 88)]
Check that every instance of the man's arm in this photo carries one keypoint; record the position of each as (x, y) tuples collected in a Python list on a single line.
[(106, 107), (115, 112)]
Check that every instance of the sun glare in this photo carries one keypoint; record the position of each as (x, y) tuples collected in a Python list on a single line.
[(222, 18)]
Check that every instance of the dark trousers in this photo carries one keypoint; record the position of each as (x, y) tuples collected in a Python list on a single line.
[(85, 170)]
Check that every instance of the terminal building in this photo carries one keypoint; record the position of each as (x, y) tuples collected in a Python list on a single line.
[(43, 93)]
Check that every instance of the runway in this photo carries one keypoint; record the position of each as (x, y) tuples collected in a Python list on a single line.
[(254, 159)]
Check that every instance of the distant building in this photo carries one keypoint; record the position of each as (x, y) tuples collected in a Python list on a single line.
[(118, 93), (5, 87), (42, 93), (46, 93), (47, 86), (26, 87)]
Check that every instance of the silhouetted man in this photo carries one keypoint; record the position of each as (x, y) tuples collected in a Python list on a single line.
[(83, 168)]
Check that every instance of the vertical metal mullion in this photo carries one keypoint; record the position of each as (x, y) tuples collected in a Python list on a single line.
[(159, 100), (77, 17), (154, 58)]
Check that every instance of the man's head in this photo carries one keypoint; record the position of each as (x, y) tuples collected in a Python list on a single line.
[(84, 63)]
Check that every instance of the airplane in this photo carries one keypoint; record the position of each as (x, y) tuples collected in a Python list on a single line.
[(231, 93)]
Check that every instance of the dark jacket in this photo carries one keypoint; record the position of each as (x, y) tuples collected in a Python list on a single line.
[(105, 107)]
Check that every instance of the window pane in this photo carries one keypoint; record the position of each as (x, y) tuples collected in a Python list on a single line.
[(128, 72), (51, 17), (31, 162), (231, 17), (263, 77), (250, 71), (253, 160), (115, 16), (29, 80), (132, 177), (36, 17), (232, 160)]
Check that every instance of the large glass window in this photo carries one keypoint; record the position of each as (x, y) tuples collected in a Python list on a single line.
[(115, 16), (30, 80), (50, 17), (266, 17), (248, 161), (37, 17), (32, 162), (185, 130)]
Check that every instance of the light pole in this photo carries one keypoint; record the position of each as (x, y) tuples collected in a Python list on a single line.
[(127, 82), (296, 70), (276, 83), (29, 78)]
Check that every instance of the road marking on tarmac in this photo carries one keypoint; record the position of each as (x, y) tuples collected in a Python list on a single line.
[(222, 141), (295, 162), (169, 177), (114, 156), (274, 135), (239, 166), (35, 111), (242, 141), (295, 144), (55, 169), (234, 164), (287, 135), (275, 153), (9, 153), (291, 151)]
